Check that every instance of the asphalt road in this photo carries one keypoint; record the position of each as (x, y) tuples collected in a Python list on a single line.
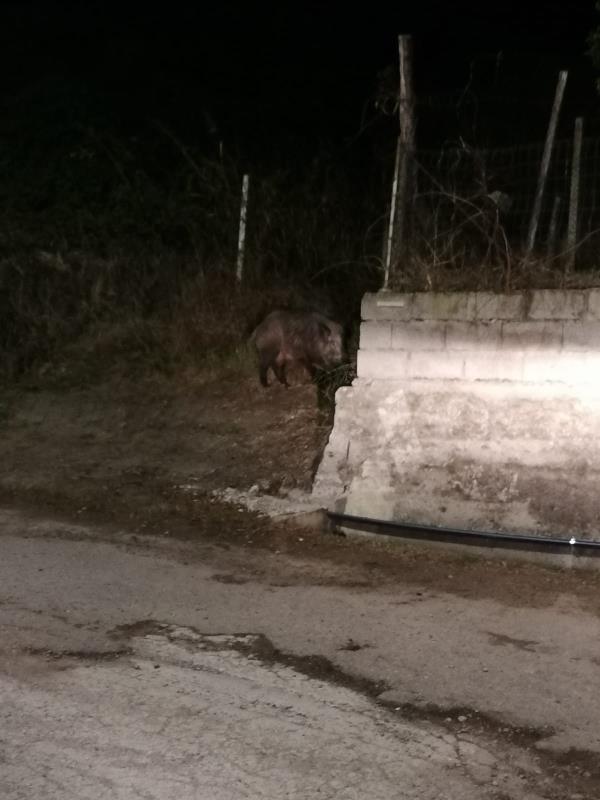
[(156, 670)]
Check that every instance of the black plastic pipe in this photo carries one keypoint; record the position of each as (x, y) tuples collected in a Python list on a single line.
[(506, 541)]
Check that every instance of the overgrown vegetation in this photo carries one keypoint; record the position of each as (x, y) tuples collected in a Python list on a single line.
[(119, 252)]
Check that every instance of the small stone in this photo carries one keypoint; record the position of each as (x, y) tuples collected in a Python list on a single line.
[(462, 718)]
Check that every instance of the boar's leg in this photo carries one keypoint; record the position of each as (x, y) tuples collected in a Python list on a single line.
[(310, 368), (279, 365), (265, 361), (279, 370), (262, 374)]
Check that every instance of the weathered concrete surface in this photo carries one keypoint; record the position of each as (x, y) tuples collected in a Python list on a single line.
[(187, 716), (480, 456), (472, 411), (137, 672)]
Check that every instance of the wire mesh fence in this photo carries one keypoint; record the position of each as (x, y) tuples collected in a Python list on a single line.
[(471, 209), (507, 177)]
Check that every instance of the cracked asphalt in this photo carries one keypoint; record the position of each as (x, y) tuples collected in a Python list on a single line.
[(165, 670)]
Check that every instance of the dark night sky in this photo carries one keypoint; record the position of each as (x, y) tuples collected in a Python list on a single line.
[(269, 71)]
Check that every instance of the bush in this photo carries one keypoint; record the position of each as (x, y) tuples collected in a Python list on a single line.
[(119, 250)]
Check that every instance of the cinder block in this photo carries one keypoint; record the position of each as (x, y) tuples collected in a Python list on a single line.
[(375, 335), (491, 306), (419, 306), (539, 335), (444, 306), (568, 368), (497, 366), (593, 304), (386, 306), (581, 336), (382, 364), (473, 335), (558, 304), (438, 364), (418, 335)]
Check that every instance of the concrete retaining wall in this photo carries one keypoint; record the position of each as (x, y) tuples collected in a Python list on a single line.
[(472, 410)]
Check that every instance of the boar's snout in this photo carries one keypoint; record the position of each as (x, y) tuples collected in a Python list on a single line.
[(333, 348)]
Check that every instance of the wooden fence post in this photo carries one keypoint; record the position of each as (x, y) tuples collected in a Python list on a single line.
[(574, 195), (405, 152), (391, 224), (552, 230), (539, 193), (239, 271)]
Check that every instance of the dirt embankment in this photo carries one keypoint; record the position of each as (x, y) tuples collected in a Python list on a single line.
[(146, 450)]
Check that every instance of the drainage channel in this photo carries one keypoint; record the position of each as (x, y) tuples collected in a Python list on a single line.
[(492, 539)]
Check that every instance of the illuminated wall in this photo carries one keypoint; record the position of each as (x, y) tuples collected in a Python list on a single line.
[(472, 410)]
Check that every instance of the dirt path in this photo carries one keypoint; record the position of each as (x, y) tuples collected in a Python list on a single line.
[(127, 435)]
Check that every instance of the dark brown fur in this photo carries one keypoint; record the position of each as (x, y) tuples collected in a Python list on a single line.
[(286, 338)]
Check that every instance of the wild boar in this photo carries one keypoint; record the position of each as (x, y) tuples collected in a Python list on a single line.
[(307, 338)]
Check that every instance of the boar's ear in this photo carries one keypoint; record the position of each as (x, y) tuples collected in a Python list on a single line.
[(324, 330)]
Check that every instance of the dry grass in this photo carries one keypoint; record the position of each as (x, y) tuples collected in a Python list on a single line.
[(463, 244)]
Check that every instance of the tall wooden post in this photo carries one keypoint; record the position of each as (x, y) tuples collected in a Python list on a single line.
[(389, 248), (553, 228), (239, 270), (539, 193), (406, 148), (574, 195)]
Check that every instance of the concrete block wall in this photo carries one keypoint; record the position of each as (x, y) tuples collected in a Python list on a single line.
[(542, 336), (472, 410)]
